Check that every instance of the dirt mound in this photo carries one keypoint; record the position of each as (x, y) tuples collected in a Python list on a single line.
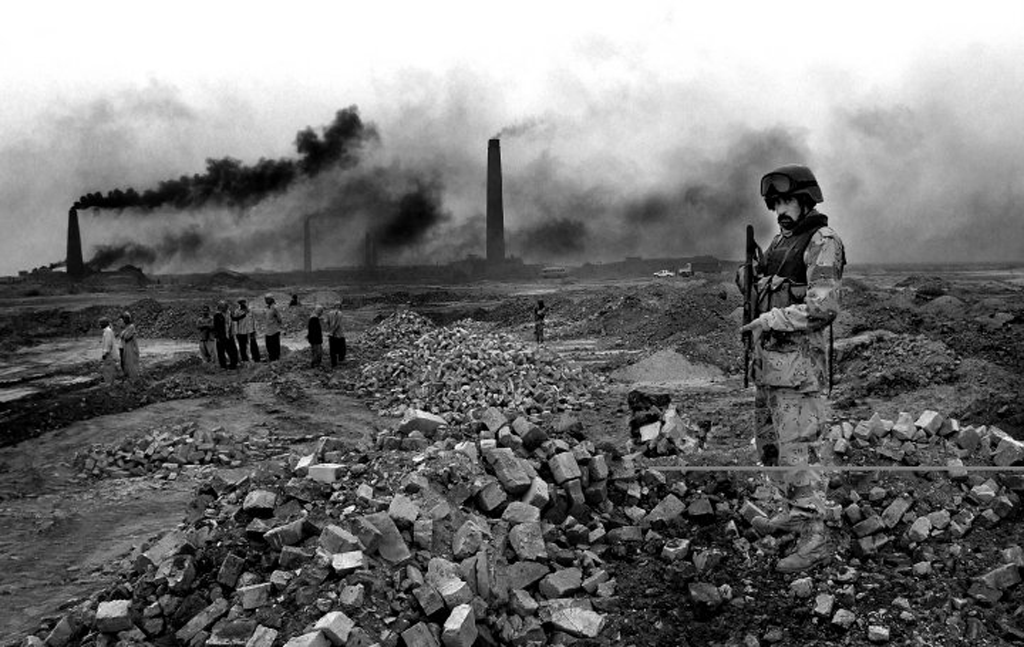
[(668, 366), (692, 317), (229, 279), (898, 364)]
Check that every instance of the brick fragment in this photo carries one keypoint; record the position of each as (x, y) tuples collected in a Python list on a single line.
[(336, 626), (460, 627), (564, 467)]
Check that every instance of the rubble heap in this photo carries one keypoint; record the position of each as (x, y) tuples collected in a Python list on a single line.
[(658, 429), (498, 537), (402, 328), (456, 369), (505, 530), (164, 451)]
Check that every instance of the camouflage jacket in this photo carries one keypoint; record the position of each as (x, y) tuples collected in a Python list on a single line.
[(794, 348)]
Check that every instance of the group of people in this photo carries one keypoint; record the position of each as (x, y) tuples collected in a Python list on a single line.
[(229, 334), (119, 351)]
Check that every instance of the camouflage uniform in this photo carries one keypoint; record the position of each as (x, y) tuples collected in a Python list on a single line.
[(798, 298)]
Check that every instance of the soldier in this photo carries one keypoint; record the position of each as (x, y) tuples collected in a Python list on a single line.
[(798, 279)]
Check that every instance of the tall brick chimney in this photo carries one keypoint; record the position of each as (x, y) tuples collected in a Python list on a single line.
[(307, 246), (370, 251), (495, 210), (74, 265)]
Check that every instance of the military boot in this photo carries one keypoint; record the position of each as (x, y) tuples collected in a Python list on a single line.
[(814, 548)]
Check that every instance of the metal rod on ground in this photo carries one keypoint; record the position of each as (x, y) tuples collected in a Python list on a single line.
[(838, 468)]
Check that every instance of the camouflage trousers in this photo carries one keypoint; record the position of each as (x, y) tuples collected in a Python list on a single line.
[(789, 427)]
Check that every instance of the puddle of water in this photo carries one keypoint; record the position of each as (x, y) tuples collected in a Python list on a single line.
[(32, 370), (17, 393)]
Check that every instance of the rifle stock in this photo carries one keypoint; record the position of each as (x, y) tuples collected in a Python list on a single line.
[(748, 301)]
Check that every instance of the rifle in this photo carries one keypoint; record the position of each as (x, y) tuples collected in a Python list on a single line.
[(749, 302)]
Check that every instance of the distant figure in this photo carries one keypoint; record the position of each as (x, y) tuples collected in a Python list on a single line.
[(539, 312), (246, 335), (130, 359), (108, 357), (273, 333), (227, 352), (315, 336), (294, 302), (335, 336), (207, 346)]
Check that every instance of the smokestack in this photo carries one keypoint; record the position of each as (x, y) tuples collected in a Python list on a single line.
[(75, 266), (495, 211), (307, 246), (370, 251)]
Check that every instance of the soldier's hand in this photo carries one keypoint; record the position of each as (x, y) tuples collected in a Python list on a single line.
[(755, 328)]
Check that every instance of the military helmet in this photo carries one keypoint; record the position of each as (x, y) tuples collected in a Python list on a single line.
[(789, 181)]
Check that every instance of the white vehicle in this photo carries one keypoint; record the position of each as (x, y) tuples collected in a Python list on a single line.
[(661, 274)]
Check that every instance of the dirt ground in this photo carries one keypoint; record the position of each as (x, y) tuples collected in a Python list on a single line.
[(947, 339)]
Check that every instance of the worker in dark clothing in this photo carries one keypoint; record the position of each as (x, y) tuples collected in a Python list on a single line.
[(335, 336), (315, 336), (539, 312), (227, 351)]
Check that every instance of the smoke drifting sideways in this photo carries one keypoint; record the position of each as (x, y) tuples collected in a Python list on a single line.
[(229, 182), (236, 215), (698, 212)]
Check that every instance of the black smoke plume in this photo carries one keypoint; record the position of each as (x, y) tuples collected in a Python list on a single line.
[(109, 255), (416, 213), (229, 182), (185, 245)]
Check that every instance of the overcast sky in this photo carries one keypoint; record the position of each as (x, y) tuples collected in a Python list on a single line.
[(636, 128)]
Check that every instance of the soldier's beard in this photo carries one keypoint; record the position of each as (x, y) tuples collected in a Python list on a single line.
[(787, 223)]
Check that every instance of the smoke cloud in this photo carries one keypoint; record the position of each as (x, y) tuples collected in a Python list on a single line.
[(923, 168), (228, 181)]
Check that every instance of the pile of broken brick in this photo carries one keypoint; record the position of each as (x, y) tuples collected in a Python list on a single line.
[(397, 330), (503, 529), (163, 452), (457, 369)]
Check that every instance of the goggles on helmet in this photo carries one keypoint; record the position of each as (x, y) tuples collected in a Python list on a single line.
[(776, 183)]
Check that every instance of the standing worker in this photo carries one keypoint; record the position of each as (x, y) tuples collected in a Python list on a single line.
[(315, 337), (130, 343), (797, 294), (539, 312), (336, 345), (273, 330), (246, 335), (207, 346), (108, 355), (227, 352)]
